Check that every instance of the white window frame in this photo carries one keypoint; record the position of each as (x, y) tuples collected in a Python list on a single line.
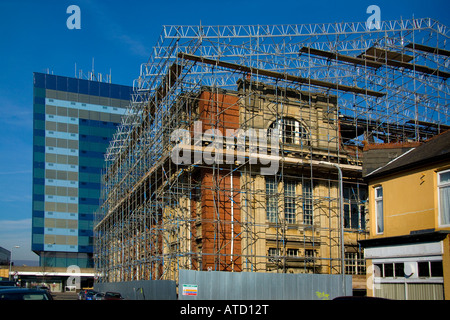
[(439, 186), (291, 252), (290, 212), (299, 135), (271, 200), (377, 200)]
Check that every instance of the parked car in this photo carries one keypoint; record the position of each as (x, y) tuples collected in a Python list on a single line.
[(44, 288), (90, 295), (6, 283), (86, 294), (112, 296), (81, 294), (25, 294), (99, 296)]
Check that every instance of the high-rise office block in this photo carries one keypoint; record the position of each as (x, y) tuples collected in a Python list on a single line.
[(73, 122)]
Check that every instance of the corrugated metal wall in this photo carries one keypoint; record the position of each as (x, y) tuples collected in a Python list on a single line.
[(216, 285)]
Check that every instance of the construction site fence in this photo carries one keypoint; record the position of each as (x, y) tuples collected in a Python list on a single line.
[(220, 285)]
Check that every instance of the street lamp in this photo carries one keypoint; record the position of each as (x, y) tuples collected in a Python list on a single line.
[(10, 261), (341, 209)]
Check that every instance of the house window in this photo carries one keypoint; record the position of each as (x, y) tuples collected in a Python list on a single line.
[(289, 201), (291, 131), (422, 269), (271, 200), (390, 270), (444, 197), (379, 209), (307, 203), (428, 269)]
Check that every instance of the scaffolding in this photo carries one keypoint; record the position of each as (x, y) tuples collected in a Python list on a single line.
[(314, 95)]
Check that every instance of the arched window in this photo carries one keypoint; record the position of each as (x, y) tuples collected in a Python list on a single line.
[(291, 131)]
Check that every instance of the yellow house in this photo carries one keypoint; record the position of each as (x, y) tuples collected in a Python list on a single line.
[(408, 251)]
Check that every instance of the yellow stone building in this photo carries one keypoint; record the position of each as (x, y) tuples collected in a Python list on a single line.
[(408, 250)]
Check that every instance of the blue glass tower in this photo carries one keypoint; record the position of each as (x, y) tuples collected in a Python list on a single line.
[(73, 122)]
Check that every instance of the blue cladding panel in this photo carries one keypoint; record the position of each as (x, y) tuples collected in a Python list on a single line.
[(94, 88), (50, 82), (39, 80), (39, 100), (61, 83), (83, 86), (104, 89), (74, 85)]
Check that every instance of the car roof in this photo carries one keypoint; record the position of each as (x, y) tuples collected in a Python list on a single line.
[(12, 290)]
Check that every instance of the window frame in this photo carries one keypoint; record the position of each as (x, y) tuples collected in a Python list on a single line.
[(355, 207), (291, 131), (271, 200), (307, 203), (290, 210), (379, 199), (439, 187)]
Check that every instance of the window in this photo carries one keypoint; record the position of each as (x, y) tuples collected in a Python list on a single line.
[(444, 197), (271, 200), (355, 263), (273, 252), (390, 270), (379, 209), (354, 208), (436, 269), (428, 269), (422, 269), (310, 253), (307, 203), (289, 201), (292, 252), (291, 131), (399, 269)]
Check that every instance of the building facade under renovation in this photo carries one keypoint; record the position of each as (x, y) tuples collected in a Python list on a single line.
[(242, 150)]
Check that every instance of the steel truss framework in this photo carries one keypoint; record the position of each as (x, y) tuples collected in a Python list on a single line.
[(349, 86)]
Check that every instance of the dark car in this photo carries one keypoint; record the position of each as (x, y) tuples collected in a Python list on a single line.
[(7, 288), (25, 294), (44, 288), (90, 295), (112, 296), (86, 294), (82, 294), (99, 296), (6, 283)]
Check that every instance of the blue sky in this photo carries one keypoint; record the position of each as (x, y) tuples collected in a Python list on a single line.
[(118, 36)]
